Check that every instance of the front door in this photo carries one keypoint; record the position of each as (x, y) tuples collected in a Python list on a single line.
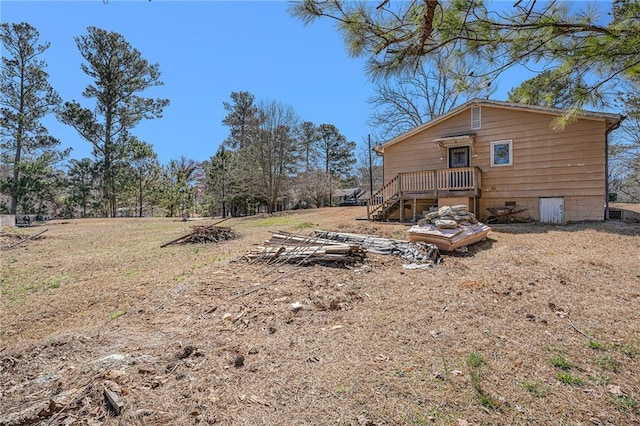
[(458, 157), (458, 179)]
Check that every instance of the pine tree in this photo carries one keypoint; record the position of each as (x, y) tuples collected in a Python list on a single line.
[(26, 97), (568, 37), (120, 74)]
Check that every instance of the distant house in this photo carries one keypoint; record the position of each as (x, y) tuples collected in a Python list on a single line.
[(499, 158), (344, 195)]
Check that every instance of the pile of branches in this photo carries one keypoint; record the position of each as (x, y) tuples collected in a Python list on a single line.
[(286, 247), (205, 234)]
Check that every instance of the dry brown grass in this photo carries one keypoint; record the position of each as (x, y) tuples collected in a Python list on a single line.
[(469, 341)]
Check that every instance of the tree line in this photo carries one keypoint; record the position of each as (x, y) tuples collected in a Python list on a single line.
[(424, 58), (271, 159)]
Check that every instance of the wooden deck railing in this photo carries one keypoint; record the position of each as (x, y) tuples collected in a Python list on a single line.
[(423, 182), (464, 178)]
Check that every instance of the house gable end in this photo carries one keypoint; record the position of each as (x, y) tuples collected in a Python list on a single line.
[(611, 120)]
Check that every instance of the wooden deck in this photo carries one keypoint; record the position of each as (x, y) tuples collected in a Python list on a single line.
[(430, 184)]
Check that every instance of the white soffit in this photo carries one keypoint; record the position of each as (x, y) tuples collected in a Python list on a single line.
[(454, 140)]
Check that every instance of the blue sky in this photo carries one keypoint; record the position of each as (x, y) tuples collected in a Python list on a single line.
[(206, 50)]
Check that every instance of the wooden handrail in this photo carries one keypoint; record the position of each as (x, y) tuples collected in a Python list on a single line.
[(386, 193)]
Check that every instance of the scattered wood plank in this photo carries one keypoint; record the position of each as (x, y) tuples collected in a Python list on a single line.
[(114, 401), (284, 247), (421, 253), (372, 243)]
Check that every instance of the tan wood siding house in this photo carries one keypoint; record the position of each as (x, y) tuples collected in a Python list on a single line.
[(491, 154)]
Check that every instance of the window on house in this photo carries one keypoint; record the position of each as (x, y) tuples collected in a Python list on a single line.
[(501, 153), (475, 118)]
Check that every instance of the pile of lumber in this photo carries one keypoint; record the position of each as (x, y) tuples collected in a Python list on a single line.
[(372, 243), (416, 253), (205, 234), (285, 247), (449, 228), (329, 246)]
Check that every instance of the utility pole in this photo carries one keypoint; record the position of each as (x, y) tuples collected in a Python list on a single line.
[(370, 169), (224, 205)]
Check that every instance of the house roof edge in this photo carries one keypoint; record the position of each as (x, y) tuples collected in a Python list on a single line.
[(611, 119)]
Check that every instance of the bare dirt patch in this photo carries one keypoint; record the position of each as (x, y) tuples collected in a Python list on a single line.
[(535, 325)]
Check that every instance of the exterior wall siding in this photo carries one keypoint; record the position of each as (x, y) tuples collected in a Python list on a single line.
[(576, 209), (546, 163)]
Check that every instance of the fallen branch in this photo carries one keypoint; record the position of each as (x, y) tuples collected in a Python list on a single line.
[(576, 328), (26, 239), (172, 241), (222, 220)]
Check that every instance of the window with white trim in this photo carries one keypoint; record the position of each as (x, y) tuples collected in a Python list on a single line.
[(476, 118), (501, 153)]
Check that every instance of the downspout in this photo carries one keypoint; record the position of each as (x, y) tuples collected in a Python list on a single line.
[(606, 165)]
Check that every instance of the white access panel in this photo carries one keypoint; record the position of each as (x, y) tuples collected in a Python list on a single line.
[(552, 210)]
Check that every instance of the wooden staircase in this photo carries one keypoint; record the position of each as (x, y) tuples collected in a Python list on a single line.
[(384, 202), (389, 206)]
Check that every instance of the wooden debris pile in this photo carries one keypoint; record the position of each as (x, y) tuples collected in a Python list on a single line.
[(421, 253), (205, 234), (328, 246), (285, 247)]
